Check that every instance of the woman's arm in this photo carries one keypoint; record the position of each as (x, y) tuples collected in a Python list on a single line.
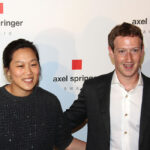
[(76, 144)]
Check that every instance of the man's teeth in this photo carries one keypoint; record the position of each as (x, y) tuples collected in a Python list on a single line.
[(128, 65), (28, 80)]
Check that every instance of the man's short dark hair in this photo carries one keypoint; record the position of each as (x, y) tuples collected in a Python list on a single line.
[(125, 29)]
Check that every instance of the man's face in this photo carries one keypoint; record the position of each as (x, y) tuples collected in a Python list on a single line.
[(127, 56)]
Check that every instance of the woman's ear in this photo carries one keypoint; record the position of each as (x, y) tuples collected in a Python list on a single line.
[(7, 74)]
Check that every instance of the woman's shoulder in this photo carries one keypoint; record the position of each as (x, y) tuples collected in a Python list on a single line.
[(42, 91), (47, 96)]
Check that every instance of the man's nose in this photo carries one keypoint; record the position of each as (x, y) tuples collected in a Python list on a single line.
[(129, 56)]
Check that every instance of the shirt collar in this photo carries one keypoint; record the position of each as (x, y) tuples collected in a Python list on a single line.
[(115, 79)]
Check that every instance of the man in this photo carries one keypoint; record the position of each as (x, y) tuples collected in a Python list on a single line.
[(117, 105)]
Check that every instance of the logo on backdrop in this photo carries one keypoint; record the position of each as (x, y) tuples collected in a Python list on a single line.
[(142, 22), (76, 65), (1, 8), (8, 25)]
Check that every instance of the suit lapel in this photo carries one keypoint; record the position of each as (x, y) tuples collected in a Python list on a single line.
[(104, 101), (145, 110)]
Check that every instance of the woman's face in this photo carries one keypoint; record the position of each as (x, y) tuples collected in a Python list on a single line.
[(24, 72)]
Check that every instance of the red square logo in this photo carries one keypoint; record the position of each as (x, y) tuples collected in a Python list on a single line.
[(1, 8), (77, 64)]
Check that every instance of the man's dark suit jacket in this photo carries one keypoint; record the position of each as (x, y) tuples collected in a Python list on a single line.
[(93, 104)]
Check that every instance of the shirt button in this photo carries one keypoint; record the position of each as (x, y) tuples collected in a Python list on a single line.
[(125, 132), (126, 115), (126, 96)]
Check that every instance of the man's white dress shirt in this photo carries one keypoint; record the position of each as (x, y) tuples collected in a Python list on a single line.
[(125, 112)]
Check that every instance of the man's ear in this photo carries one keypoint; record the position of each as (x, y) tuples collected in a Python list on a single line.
[(110, 50), (111, 54), (142, 55), (143, 52)]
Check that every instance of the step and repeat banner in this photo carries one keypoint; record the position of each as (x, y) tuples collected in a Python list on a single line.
[(71, 36)]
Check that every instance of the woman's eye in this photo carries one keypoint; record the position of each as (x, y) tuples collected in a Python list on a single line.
[(20, 66), (33, 64)]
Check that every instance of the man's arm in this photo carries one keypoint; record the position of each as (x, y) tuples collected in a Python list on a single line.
[(76, 115)]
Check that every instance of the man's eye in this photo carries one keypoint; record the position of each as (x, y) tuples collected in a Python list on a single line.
[(135, 50), (121, 51)]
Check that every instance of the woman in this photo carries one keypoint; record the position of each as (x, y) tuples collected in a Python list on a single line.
[(30, 117)]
